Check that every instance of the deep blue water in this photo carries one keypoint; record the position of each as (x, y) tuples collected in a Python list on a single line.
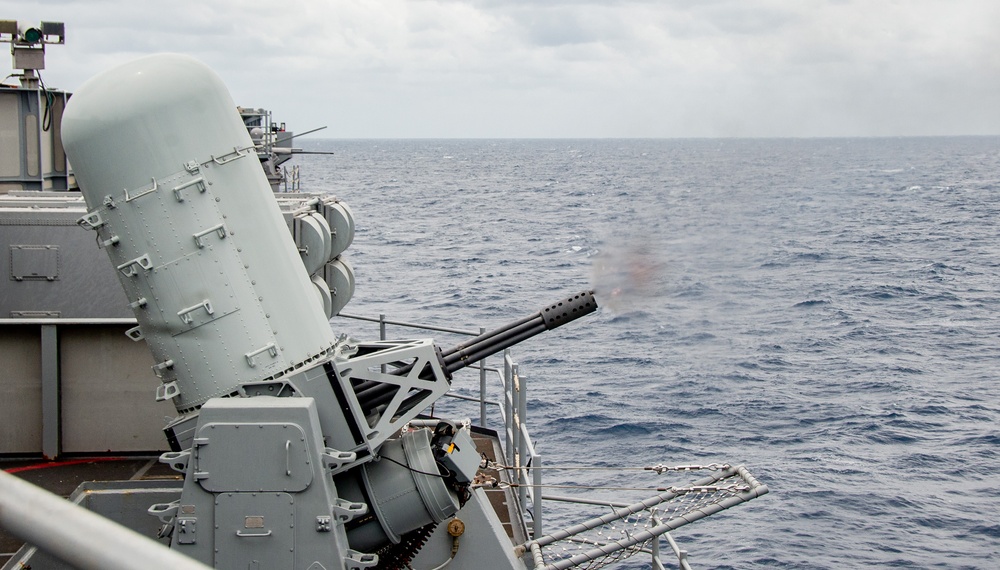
[(825, 311)]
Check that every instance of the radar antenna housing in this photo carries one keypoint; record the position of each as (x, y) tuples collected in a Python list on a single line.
[(27, 46)]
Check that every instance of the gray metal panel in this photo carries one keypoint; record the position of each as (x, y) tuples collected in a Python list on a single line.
[(34, 262), (107, 385), (267, 521), (21, 409), (85, 285), (279, 451), (255, 530), (56, 174), (103, 382), (483, 545), (108, 391), (31, 145), (51, 416), (127, 502), (10, 134)]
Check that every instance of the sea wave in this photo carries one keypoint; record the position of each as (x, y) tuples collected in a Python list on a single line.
[(824, 311)]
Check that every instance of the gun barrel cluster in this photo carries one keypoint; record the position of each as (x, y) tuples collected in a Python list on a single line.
[(374, 394), (492, 342)]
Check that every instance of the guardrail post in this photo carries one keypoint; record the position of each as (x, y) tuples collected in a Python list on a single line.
[(482, 387), (536, 494), (682, 555), (381, 335), (522, 442), (508, 403), (515, 422), (655, 547)]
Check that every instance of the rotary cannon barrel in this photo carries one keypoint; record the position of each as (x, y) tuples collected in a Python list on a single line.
[(492, 342), (372, 394)]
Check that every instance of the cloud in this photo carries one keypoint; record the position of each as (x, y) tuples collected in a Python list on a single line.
[(568, 67)]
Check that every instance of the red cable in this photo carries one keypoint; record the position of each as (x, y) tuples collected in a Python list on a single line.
[(61, 463)]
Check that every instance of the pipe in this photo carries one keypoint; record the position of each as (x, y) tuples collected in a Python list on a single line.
[(79, 537)]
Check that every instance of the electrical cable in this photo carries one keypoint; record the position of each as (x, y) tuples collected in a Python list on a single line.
[(49, 101), (401, 464)]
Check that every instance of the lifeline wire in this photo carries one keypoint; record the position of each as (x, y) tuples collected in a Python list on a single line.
[(659, 469), (679, 490)]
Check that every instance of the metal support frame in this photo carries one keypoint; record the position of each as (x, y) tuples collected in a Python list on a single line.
[(513, 405), (520, 463), (42, 163), (51, 411), (414, 392)]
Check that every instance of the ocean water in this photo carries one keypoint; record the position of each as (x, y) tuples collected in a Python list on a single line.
[(826, 312)]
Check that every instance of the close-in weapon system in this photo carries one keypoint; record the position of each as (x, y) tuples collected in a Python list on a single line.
[(298, 448)]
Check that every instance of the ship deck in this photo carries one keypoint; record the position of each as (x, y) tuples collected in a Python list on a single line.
[(64, 476)]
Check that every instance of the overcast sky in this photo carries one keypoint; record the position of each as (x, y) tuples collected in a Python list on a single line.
[(565, 68)]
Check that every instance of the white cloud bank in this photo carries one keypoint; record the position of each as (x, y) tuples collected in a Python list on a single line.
[(676, 68)]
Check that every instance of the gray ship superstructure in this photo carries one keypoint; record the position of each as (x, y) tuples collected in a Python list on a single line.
[(295, 447)]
